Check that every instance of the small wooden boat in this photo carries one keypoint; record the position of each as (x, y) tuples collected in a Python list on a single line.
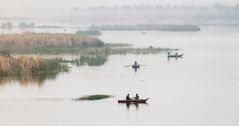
[(176, 56), (135, 66), (133, 101)]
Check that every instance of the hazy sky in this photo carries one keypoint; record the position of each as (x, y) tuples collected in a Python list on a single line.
[(31, 6)]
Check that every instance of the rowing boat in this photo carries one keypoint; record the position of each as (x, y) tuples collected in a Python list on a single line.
[(175, 56), (135, 66), (133, 101)]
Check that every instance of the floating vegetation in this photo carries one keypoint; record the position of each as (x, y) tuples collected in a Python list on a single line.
[(93, 97), (89, 60), (92, 60), (149, 50)]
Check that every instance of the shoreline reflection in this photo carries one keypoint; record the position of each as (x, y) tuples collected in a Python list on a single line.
[(27, 80)]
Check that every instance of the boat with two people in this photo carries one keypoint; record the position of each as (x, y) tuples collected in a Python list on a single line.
[(176, 55), (134, 100)]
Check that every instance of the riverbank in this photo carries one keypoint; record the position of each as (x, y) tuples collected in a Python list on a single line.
[(47, 43)]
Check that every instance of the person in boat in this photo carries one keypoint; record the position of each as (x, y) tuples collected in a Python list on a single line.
[(176, 54), (127, 97), (135, 63), (136, 97)]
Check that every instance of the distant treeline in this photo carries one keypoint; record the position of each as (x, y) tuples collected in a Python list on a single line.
[(217, 14), (25, 25), (147, 27), (22, 25), (89, 32), (7, 25)]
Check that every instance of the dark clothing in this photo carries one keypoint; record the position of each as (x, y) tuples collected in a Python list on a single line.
[(136, 97), (127, 97)]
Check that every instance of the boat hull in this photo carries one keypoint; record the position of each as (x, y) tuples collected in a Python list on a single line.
[(133, 101), (176, 56), (135, 66)]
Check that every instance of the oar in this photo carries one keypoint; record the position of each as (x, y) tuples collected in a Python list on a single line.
[(143, 65), (127, 65)]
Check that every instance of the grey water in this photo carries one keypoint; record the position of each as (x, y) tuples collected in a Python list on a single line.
[(201, 89)]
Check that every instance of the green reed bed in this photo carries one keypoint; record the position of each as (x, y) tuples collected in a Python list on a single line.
[(93, 50), (94, 97), (123, 51), (92, 60)]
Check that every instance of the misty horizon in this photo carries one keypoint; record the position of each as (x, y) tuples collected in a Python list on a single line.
[(34, 8)]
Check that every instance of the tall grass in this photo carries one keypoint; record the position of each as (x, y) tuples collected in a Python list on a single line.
[(30, 40), (25, 65), (92, 60), (47, 43)]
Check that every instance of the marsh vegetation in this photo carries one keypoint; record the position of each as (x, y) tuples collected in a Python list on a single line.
[(46, 43), (24, 41), (29, 65), (93, 97), (20, 60)]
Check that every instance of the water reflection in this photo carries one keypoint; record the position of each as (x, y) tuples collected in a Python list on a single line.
[(134, 105), (135, 70), (27, 80), (175, 58), (39, 80)]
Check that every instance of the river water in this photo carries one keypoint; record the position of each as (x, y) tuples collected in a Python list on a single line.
[(201, 89)]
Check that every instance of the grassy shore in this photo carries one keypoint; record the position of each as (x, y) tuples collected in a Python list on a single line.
[(46, 43)]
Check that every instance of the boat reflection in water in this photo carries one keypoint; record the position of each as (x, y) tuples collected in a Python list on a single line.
[(136, 66), (135, 103)]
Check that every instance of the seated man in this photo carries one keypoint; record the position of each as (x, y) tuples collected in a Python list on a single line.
[(127, 97), (136, 97)]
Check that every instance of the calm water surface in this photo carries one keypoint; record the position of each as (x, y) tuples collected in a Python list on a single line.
[(202, 89)]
